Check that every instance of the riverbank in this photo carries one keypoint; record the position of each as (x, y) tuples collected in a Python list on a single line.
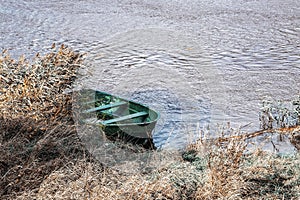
[(43, 158)]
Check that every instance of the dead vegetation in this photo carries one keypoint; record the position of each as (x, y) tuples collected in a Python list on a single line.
[(35, 89), (43, 158), (37, 135), (222, 172)]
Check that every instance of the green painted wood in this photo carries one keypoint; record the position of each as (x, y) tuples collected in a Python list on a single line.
[(105, 107), (126, 117), (135, 120)]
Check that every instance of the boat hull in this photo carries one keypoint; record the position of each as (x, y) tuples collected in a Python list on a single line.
[(119, 118)]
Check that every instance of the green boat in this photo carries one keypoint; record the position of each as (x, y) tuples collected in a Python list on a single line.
[(118, 117)]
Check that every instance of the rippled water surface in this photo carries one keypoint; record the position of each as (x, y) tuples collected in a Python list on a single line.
[(197, 62)]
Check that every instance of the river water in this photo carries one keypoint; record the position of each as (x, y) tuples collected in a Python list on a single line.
[(199, 63)]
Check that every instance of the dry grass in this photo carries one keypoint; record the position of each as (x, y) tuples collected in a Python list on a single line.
[(223, 172), (272, 176), (35, 89), (44, 159), (36, 131)]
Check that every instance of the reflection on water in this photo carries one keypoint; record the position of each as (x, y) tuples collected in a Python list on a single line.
[(199, 62)]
